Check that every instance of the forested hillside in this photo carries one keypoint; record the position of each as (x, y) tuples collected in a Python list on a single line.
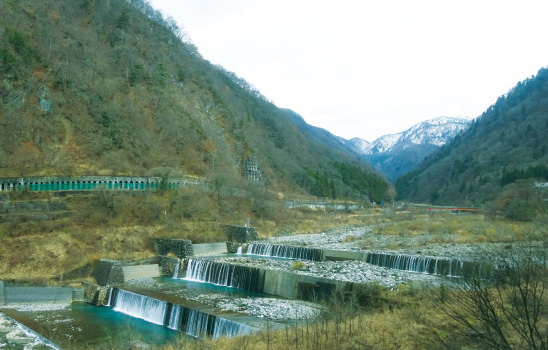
[(112, 87), (497, 160)]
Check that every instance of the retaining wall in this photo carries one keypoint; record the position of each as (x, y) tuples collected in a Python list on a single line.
[(167, 265), (78, 294), (140, 271), (209, 249), (240, 234), (182, 248), (107, 272), (96, 295), (38, 295), (232, 247), (295, 286), (338, 255), (112, 272), (2, 295)]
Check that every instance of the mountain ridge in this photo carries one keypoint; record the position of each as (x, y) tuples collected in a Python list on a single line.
[(99, 88), (496, 161), (398, 153)]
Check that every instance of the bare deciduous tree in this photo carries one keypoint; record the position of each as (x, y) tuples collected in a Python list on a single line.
[(503, 304)]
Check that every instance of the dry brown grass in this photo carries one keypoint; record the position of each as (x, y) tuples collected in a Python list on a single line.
[(451, 228), (45, 249)]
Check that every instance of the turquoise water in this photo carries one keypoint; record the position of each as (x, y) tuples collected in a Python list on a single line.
[(184, 287), (82, 324)]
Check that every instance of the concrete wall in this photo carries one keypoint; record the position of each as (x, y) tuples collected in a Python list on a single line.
[(140, 271), (295, 286), (209, 249), (112, 272), (78, 294), (338, 255), (38, 295), (2, 295)]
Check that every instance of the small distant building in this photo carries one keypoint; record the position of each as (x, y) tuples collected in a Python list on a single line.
[(251, 169)]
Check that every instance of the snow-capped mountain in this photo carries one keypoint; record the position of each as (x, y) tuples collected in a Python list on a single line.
[(397, 154)]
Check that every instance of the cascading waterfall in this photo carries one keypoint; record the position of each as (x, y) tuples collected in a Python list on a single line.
[(239, 250), (285, 251), (224, 274), (110, 292), (197, 323), (419, 264), (456, 268), (190, 321), (174, 320), (176, 271), (228, 328), (140, 306)]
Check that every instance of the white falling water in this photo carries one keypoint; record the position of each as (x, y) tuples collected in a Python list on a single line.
[(284, 251), (196, 323), (176, 271), (418, 264), (225, 274), (459, 267), (239, 251), (207, 271), (402, 262), (109, 302), (228, 328), (175, 318), (140, 306)]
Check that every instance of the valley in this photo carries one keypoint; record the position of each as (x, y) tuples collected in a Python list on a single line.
[(151, 199), (380, 267)]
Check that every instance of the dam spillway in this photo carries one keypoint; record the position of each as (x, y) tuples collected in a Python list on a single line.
[(188, 320), (132, 304), (285, 251), (225, 274), (404, 262), (321, 272), (418, 264)]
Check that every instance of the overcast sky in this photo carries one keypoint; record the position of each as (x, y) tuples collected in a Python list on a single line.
[(362, 68)]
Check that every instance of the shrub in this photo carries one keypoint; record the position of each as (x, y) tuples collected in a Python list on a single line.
[(297, 265)]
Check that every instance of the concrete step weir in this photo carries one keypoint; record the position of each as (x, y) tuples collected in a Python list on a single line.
[(296, 252), (263, 280), (192, 318), (420, 264), (441, 266), (285, 251)]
